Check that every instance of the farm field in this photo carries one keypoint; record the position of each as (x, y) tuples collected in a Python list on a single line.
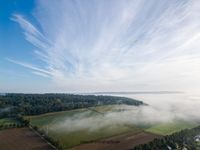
[(71, 135), (120, 142), (86, 128), (21, 138), (44, 119), (171, 127), (55, 117)]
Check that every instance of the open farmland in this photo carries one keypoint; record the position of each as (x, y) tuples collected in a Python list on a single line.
[(21, 138), (76, 127), (87, 128)]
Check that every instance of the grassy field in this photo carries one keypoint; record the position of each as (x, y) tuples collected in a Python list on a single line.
[(56, 126), (171, 127)]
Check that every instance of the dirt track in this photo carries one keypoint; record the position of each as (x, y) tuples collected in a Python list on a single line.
[(21, 139), (121, 142)]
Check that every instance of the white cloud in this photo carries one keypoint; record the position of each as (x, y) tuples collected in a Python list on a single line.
[(118, 45), (38, 71)]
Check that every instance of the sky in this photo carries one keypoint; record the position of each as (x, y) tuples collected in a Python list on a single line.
[(99, 45)]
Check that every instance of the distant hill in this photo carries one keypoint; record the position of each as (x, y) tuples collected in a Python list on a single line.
[(138, 92)]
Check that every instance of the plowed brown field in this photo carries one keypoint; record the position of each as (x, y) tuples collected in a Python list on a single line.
[(22, 139)]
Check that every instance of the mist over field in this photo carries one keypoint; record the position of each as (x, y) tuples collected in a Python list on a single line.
[(161, 108)]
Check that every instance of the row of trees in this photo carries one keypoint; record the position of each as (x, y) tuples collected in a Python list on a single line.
[(51, 140), (34, 104), (18, 122), (11, 125), (184, 139)]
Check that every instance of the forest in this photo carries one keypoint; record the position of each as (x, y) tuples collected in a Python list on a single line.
[(35, 104)]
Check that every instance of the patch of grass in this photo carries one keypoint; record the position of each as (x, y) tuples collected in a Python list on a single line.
[(171, 127), (106, 108)]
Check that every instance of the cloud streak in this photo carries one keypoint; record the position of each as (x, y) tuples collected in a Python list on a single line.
[(134, 42), (37, 70)]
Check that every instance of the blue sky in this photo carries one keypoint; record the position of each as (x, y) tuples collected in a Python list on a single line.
[(91, 45)]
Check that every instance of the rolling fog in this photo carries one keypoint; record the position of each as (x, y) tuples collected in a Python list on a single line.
[(161, 108)]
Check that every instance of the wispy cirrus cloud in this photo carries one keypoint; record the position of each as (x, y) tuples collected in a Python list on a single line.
[(37, 70), (116, 44)]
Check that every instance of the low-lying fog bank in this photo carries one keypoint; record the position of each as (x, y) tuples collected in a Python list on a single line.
[(162, 108), (181, 106)]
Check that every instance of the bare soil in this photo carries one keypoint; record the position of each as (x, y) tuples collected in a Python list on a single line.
[(22, 139)]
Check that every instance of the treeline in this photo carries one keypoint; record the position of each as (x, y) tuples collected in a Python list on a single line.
[(19, 123), (188, 139), (11, 125), (51, 140), (34, 104)]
